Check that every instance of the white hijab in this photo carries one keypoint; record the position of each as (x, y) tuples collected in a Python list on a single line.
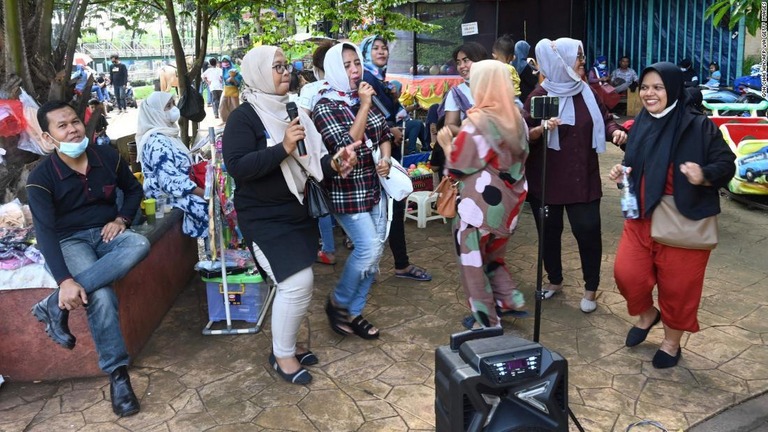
[(153, 118), (336, 76), (555, 62), (259, 91)]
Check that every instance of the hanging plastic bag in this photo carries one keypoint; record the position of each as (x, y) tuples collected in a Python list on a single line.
[(31, 139), (12, 121), (191, 104)]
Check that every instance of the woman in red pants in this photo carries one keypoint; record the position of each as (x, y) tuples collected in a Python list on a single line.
[(673, 150)]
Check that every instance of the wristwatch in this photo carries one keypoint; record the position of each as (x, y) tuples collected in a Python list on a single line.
[(126, 221)]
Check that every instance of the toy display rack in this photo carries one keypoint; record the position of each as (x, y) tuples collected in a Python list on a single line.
[(216, 214)]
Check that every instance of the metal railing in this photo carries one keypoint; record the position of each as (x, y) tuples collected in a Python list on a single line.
[(102, 50)]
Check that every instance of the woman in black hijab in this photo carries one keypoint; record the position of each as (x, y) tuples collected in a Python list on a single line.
[(673, 149)]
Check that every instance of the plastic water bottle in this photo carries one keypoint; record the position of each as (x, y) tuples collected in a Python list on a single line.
[(628, 198), (160, 206)]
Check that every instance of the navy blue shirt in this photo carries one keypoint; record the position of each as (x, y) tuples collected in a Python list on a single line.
[(63, 201)]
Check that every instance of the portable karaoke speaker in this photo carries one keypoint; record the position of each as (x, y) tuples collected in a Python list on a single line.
[(499, 384)]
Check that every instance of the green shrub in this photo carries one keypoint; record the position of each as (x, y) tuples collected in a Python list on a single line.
[(748, 62), (143, 91)]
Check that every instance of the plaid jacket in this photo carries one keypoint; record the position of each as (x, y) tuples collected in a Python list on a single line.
[(360, 190)]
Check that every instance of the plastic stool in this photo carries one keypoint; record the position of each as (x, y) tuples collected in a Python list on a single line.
[(424, 211)]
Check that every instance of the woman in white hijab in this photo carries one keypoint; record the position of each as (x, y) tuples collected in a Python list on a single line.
[(166, 164), (575, 138), (345, 114), (260, 153)]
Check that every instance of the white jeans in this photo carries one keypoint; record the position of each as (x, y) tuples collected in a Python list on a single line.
[(289, 307)]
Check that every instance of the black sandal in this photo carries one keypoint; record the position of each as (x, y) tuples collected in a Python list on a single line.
[(337, 317), (362, 327)]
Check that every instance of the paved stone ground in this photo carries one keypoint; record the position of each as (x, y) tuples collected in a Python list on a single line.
[(190, 382)]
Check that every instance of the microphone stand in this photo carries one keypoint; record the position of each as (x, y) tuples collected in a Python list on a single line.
[(543, 214)]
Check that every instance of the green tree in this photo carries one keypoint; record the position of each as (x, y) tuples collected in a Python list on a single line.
[(735, 10), (34, 58)]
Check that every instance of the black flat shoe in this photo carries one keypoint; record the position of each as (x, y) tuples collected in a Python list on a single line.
[(662, 360), (636, 335), (307, 359), (301, 376), (56, 320)]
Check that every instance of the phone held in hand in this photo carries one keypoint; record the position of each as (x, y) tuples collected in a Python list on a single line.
[(545, 107)]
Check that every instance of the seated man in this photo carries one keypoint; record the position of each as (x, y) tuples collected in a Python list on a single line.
[(414, 129), (85, 240)]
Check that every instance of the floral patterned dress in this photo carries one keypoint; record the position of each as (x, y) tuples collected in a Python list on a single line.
[(492, 189), (166, 170)]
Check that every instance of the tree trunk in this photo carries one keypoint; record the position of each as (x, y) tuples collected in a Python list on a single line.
[(15, 53)]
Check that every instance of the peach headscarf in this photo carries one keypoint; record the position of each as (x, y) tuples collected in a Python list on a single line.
[(494, 112)]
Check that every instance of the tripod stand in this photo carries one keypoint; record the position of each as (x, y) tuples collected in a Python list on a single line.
[(543, 213)]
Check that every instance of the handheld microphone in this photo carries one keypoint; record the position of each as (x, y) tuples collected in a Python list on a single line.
[(377, 102), (293, 112)]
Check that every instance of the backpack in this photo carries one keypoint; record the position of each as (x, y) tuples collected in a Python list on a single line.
[(191, 104)]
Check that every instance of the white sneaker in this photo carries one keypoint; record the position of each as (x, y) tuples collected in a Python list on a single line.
[(588, 306)]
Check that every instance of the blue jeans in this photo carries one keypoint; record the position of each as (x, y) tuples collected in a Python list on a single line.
[(96, 265), (120, 96), (416, 129), (99, 94), (325, 224), (367, 231)]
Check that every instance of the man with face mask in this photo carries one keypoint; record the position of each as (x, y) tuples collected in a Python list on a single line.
[(85, 240), (118, 74)]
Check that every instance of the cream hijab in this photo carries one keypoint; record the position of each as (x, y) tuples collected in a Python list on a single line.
[(153, 118), (259, 92), (494, 112)]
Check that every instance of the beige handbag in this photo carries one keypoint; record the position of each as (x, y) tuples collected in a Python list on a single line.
[(671, 228)]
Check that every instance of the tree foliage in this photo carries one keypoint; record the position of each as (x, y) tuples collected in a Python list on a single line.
[(734, 11)]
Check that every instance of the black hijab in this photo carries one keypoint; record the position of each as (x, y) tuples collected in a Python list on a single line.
[(652, 140)]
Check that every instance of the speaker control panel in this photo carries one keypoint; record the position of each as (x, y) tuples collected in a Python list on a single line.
[(512, 367)]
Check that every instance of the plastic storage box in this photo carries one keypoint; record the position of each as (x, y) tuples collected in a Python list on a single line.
[(423, 183), (247, 294)]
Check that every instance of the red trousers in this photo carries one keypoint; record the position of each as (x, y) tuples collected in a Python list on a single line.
[(641, 264)]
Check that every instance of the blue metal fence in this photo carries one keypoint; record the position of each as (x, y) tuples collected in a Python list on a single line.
[(663, 30)]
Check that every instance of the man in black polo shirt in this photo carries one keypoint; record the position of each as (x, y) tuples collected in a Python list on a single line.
[(118, 74), (85, 240)]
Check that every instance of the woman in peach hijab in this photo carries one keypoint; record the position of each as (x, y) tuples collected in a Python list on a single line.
[(487, 158)]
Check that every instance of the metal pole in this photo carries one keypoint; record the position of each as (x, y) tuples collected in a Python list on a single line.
[(540, 257)]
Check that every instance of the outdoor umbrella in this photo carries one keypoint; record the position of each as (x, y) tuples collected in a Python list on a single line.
[(81, 59)]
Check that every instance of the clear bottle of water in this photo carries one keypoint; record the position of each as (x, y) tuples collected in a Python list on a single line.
[(628, 198)]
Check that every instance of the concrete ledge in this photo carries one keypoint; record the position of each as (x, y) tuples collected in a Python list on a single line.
[(146, 294)]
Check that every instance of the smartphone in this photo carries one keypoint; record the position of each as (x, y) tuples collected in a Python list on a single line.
[(545, 107)]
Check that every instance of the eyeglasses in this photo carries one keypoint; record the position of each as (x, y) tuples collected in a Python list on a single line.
[(581, 57), (282, 68)]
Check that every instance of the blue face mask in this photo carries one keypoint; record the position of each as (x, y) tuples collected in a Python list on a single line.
[(73, 149), (602, 65)]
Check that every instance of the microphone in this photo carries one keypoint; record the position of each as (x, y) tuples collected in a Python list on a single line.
[(293, 112), (380, 106), (377, 102)]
